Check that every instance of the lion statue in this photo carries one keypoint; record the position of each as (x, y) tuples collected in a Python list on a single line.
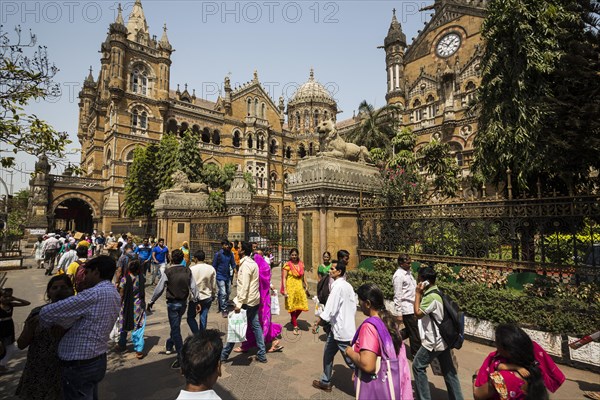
[(181, 184), (333, 145)]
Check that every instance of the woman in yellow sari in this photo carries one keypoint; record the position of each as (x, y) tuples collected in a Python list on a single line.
[(294, 288)]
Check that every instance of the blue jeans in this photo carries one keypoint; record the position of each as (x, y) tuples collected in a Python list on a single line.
[(332, 346), (422, 359), (224, 291), (191, 315), (254, 322), (175, 311), (80, 382)]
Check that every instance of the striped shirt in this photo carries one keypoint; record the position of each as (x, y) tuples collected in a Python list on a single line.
[(89, 318)]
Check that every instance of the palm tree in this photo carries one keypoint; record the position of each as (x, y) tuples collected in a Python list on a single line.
[(376, 128)]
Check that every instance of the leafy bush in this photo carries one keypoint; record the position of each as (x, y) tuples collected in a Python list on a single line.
[(555, 308), (445, 273), (555, 315)]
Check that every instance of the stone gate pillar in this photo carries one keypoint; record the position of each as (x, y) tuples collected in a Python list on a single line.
[(38, 212), (328, 192), (238, 198)]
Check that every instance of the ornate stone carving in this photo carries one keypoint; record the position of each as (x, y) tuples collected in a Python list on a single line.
[(181, 184), (330, 182), (239, 195), (335, 146)]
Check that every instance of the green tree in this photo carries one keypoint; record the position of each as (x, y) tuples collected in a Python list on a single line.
[(24, 78), (218, 178), (376, 128), (167, 160), (189, 157), (522, 50), (405, 172), (571, 143), (141, 186)]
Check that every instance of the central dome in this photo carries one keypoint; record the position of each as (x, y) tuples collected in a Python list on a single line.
[(311, 91)]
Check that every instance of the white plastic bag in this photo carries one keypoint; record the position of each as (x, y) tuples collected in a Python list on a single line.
[(274, 302), (236, 327), (114, 333), (318, 306)]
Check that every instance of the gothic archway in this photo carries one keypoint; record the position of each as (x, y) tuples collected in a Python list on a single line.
[(75, 215)]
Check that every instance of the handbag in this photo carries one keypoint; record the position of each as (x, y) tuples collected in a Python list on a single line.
[(392, 377), (237, 326), (274, 303)]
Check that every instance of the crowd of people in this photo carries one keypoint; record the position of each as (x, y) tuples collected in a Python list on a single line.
[(94, 296)]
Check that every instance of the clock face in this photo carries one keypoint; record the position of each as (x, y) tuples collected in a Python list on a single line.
[(448, 45)]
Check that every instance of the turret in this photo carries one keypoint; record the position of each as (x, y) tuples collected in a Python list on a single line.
[(394, 46), (227, 97)]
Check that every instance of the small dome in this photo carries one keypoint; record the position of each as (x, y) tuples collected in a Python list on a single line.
[(311, 91)]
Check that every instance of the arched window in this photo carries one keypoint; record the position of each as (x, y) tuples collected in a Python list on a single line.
[(470, 89), (288, 152), (172, 126), (205, 135), (306, 120), (316, 119), (256, 107), (216, 137), (456, 150), (236, 139), (310, 149), (250, 141), (260, 142), (325, 116), (139, 120), (196, 131), (431, 108), (417, 113), (273, 147), (108, 156), (297, 120), (263, 109), (184, 127), (139, 81), (301, 150), (249, 109), (129, 160)]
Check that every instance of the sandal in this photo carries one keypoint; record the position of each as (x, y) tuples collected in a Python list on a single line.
[(239, 350), (296, 331), (275, 349), (139, 355)]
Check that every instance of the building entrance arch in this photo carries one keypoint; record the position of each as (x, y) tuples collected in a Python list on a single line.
[(74, 214)]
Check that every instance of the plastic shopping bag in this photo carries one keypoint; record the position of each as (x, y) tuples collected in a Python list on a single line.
[(236, 327), (114, 333), (274, 303), (318, 306)]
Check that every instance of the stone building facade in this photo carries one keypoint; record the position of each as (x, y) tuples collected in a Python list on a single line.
[(131, 103)]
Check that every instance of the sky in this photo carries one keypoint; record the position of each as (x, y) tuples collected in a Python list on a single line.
[(282, 40)]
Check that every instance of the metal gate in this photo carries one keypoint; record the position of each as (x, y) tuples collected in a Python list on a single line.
[(207, 232), (289, 231), (263, 227)]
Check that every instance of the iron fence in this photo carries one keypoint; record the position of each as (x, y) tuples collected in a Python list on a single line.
[(264, 226), (558, 236), (206, 233), (139, 227)]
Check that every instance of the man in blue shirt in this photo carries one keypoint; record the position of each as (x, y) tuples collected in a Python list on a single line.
[(144, 252), (160, 258), (224, 264)]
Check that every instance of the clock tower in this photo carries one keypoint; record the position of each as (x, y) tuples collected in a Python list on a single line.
[(439, 73)]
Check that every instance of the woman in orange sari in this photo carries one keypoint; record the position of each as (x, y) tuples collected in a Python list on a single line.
[(294, 288)]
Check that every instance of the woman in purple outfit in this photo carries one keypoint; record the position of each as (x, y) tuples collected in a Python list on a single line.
[(270, 330)]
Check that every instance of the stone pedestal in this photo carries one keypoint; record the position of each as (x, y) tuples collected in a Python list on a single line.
[(328, 191), (37, 206), (175, 210)]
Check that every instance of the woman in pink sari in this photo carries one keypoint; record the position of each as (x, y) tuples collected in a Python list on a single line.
[(519, 369), (270, 330)]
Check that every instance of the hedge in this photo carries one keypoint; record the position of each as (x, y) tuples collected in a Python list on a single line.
[(562, 315)]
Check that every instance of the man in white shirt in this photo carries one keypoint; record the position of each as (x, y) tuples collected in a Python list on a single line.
[(200, 365), (404, 302), (50, 249), (340, 311), (205, 277), (248, 297)]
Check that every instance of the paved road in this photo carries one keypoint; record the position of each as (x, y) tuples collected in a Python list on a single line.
[(287, 375)]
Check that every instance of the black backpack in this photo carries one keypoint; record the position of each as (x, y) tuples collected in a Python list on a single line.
[(452, 327)]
